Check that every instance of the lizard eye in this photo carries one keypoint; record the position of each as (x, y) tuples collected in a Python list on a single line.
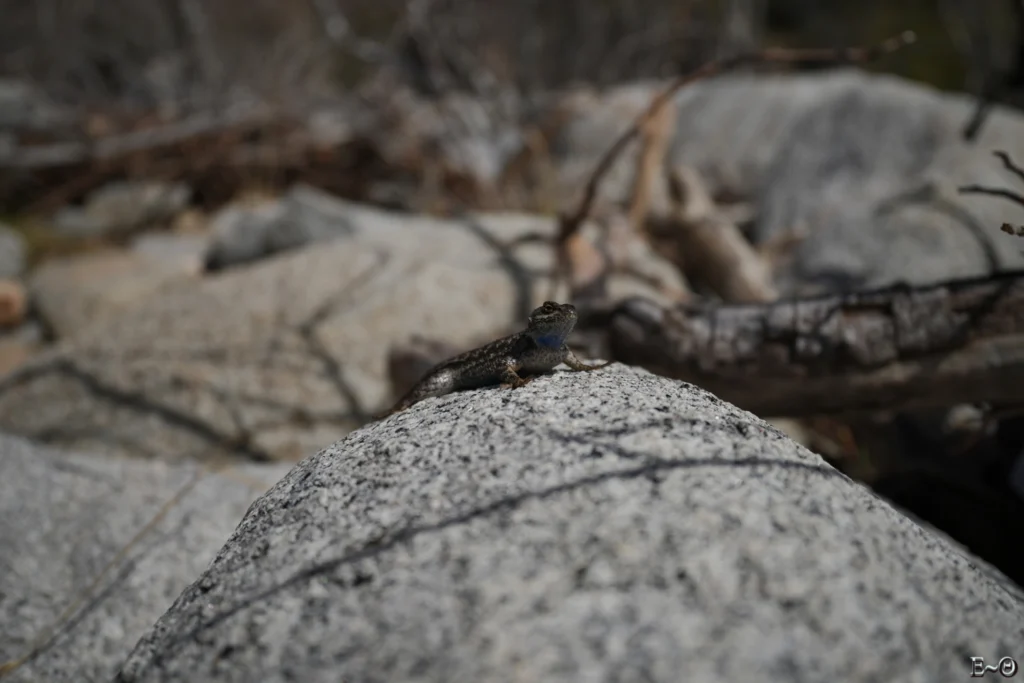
[(548, 308)]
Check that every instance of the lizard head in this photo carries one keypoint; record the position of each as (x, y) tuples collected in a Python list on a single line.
[(551, 323)]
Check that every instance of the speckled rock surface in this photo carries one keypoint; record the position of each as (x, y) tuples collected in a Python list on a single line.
[(606, 526), (64, 517)]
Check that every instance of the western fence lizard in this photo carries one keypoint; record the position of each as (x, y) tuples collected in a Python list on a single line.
[(535, 350)]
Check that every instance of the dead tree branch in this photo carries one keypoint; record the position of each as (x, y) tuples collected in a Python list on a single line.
[(570, 223), (993, 192), (215, 152), (656, 132), (889, 349), (104, 149), (1010, 195), (711, 249), (1008, 164)]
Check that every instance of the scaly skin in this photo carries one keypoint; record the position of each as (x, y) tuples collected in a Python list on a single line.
[(511, 361)]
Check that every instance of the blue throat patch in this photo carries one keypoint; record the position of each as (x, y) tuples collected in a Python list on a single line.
[(550, 341)]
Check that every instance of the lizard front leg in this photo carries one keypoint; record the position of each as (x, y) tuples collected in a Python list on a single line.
[(510, 379), (577, 365)]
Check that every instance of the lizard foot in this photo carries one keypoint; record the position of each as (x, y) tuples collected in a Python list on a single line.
[(517, 383)]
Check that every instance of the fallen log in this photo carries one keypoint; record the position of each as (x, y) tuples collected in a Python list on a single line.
[(889, 349), (112, 147)]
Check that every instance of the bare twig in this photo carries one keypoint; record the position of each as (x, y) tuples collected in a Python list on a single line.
[(570, 223), (993, 192), (1008, 164), (1010, 195), (974, 124), (118, 145)]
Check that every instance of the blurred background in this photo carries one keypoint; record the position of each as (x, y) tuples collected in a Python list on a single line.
[(171, 56), (77, 71), (154, 154)]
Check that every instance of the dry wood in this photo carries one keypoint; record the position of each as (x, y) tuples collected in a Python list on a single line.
[(631, 253), (217, 163), (13, 303), (779, 247), (656, 135), (709, 248), (895, 348), (118, 145), (41, 178), (570, 223)]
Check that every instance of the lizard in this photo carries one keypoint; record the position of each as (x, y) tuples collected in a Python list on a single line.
[(510, 362)]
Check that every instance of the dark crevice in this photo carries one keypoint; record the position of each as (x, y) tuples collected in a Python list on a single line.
[(136, 402)]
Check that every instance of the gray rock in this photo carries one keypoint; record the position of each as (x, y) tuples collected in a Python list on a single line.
[(19, 344), (869, 165), (123, 207), (278, 358), (730, 129), (734, 128), (77, 292), (64, 517), (607, 526), (12, 253), (305, 215), (242, 234), (275, 359), (872, 174), (187, 250)]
